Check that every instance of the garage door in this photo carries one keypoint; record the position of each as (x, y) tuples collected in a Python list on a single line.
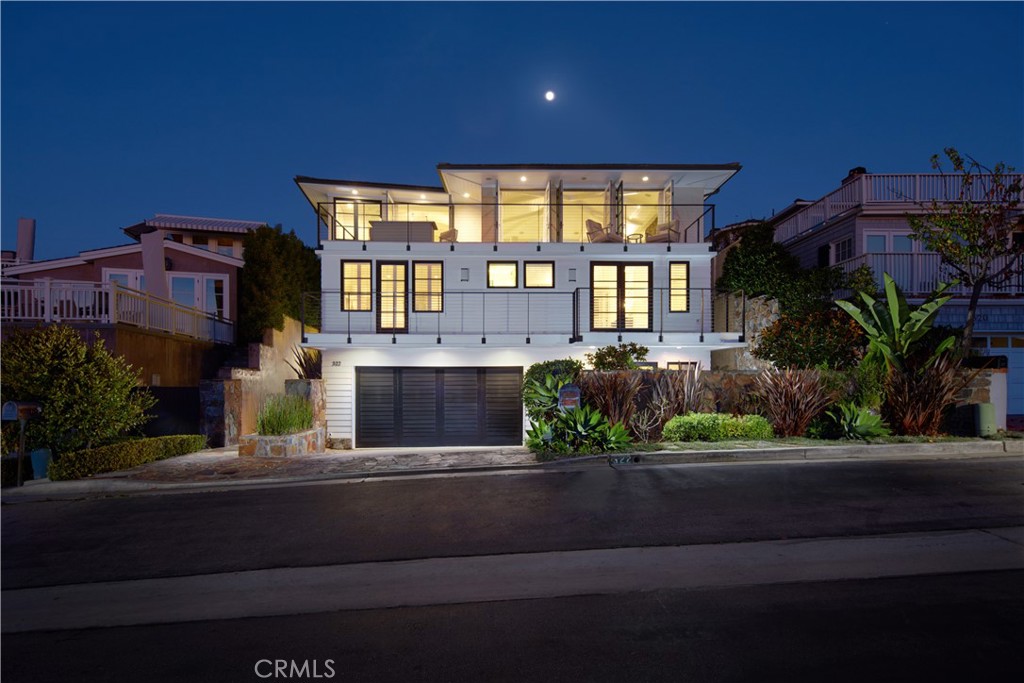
[(438, 407)]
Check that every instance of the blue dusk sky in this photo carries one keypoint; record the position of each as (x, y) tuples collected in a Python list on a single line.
[(112, 112)]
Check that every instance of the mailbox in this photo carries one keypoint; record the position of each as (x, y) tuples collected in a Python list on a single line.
[(19, 410)]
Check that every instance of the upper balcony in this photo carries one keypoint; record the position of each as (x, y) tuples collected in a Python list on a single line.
[(899, 192)]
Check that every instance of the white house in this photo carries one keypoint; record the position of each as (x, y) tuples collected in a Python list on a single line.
[(436, 299)]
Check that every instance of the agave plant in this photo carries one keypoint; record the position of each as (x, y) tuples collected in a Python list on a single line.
[(541, 398), (893, 327), (792, 398), (858, 423)]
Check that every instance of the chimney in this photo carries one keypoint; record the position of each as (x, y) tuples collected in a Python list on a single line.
[(26, 240)]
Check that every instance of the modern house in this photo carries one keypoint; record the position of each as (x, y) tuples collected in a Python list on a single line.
[(863, 222), (435, 299), (160, 300)]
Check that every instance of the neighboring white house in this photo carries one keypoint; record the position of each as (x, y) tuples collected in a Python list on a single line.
[(436, 299), (863, 222)]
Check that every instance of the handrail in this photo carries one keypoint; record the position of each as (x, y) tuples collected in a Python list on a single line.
[(918, 274), (487, 313), (50, 301)]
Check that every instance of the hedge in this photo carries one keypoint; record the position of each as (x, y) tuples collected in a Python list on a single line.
[(716, 427), (123, 455)]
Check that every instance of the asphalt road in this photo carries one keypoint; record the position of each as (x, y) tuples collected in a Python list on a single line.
[(940, 627), (592, 507)]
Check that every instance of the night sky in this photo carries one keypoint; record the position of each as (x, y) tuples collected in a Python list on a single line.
[(114, 112)]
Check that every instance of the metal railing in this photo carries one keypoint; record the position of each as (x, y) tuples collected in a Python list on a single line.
[(50, 301), (499, 223), (881, 188), (918, 274), (521, 313)]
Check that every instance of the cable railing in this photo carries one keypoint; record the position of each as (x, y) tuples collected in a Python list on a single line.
[(479, 315), (504, 223), (50, 301)]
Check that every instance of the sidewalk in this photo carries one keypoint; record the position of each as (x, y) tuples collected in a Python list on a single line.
[(219, 468)]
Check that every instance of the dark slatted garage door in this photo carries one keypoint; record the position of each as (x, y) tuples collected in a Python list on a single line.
[(438, 407)]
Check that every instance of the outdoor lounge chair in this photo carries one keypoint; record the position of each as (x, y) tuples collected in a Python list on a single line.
[(449, 236), (596, 233), (665, 232)]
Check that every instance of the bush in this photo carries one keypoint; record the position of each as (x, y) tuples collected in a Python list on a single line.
[(792, 398), (716, 427), (568, 369), (88, 396), (123, 455), (621, 357), (579, 431), (823, 338), (281, 414), (612, 393), (915, 402)]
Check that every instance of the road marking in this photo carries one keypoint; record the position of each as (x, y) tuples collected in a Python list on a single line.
[(376, 585)]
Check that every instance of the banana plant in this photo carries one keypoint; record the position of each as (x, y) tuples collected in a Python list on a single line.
[(893, 327)]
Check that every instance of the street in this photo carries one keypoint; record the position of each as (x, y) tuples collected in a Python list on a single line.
[(801, 571)]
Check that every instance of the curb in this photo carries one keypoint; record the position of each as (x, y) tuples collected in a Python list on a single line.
[(45, 490)]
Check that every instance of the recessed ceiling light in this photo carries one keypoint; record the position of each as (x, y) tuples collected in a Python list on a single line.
[(423, 196), (465, 194), (645, 179), (522, 179), (355, 191)]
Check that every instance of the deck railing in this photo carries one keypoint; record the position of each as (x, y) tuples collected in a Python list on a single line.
[(504, 222), (918, 274), (878, 188), (483, 314), (50, 301)]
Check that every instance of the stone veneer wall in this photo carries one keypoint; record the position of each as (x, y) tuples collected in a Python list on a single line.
[(286, 445), (760, 313)]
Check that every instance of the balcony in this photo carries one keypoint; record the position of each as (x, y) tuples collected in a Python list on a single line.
[(474, 317), (498, 222), (48, 301), (899, 191), (918, 274)]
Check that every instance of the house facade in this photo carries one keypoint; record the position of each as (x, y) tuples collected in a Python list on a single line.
[(435, 299), (863, 222)]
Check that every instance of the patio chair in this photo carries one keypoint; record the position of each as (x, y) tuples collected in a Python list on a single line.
[(449, 236), (665, 232), (596, 233)]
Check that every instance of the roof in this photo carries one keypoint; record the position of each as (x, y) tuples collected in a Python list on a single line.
[(732, 166), (166, 221), (90, 255)]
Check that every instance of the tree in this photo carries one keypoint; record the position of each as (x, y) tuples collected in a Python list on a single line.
[(88, 396), (279, 269), (974, 232)]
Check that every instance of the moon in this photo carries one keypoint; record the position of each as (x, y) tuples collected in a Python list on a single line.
[(549, 95)]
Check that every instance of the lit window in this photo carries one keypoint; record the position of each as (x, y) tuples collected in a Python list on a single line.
[(502, 274), (428, 287), (681, 365), (679, 287), (620, 296), (539, 274), (355, 286)]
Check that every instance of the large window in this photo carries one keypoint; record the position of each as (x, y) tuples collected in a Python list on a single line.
[(352, 219), (391, 297), (679, 287), (427, 287), (503, 274), (539, 274), (579, 206), (642, 211), (524, 216), (356, 286), (620, 296)]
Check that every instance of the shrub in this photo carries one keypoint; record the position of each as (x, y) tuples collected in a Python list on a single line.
[(541, 398), (856, 423), (563, 368), (916, 401), (123, 455), (759, 266), (792, 398), (621, 357), (282, 414), (716, 427), (308, 363), (578, 431), (821, 338), (612, 393), (88, 396)]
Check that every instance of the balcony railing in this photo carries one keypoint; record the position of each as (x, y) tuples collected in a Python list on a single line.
[(500, 223), (878, 188), (918, 274), (482, 314), (48, 301)]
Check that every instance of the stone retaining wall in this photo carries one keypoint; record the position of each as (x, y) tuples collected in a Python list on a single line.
[(284, 446)]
